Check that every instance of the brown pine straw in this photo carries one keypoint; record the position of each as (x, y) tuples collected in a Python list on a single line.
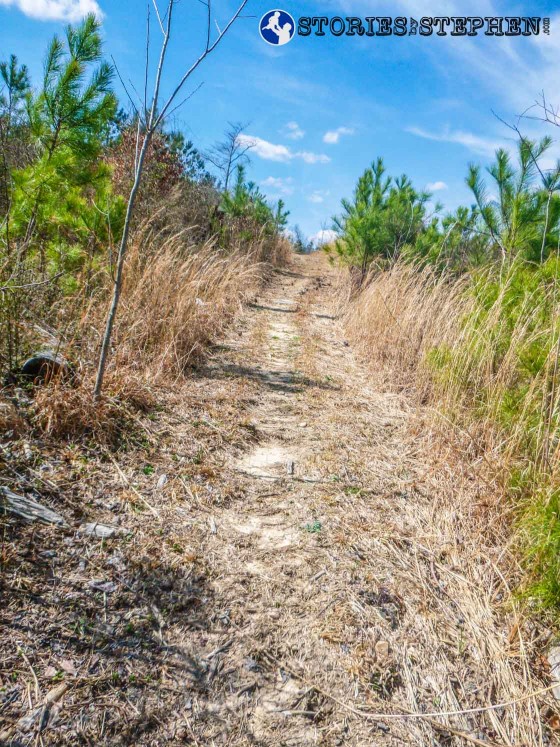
[(430, 717)]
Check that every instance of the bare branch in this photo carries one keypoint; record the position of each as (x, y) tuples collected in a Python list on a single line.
[(147, 63), (124, 86), (196, 64), (143, 140), (151, 125), (184, 101), (32, 285), (158, 17)]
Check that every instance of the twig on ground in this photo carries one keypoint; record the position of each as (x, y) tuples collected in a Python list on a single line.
[(127, 482), (407, 713)]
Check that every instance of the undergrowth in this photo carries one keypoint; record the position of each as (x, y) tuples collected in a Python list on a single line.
[(485, 351)]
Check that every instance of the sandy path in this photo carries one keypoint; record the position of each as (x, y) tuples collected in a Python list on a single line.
[(345, 569)]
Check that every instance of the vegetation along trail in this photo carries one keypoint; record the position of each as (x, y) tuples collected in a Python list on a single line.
[(261, 484), (349, 587), (296, 566)]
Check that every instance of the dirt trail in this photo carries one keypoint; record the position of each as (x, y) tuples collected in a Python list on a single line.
[(346, 574), (310, 571)]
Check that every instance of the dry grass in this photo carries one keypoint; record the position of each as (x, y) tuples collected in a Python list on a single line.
[(416, 538), (289, 611), (10, 420), (484, 351), (401, 315), (68, 411), (177, 299)]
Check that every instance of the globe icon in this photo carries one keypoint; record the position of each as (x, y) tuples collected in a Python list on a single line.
[(277, 27)]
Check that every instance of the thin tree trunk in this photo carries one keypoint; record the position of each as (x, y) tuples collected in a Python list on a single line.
[(117, 285)]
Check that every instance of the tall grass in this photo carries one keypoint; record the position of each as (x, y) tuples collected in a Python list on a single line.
[(485, 350), (177, 299)]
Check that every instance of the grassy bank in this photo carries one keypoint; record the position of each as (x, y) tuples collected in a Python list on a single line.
[(483, 350)]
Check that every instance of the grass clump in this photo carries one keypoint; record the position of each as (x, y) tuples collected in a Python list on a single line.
[(486, 351)]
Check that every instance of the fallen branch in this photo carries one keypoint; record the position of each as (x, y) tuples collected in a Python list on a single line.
[(39, 714), (28, 509)]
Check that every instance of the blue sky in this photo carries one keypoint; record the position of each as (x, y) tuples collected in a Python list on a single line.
[(321, 109)]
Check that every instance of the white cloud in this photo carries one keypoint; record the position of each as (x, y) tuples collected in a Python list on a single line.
[(264, 149), (312, 157), (333, 136), (55, 10), (293, 131), (272, 152), (481, 145), (279, 185), (289, 234), (325, 236), (436, 186), (317, 196)]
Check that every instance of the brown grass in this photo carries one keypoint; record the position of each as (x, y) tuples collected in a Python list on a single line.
[(403, 313), (258, 642), (484, 353), (66, 411), (177, 299), (10, 419)]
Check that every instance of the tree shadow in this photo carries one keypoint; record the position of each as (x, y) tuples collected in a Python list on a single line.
[(291, 274), (284, 381), (135, 647), (260, 307)]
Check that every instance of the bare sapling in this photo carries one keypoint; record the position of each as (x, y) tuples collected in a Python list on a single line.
[(231, 152), (148, 124)]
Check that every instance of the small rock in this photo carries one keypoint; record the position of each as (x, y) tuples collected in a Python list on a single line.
[(68, 666), (117, 562), (161, 482), (47, 554), (251, 665), (105, 586), (100, 530), (303, 425)]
